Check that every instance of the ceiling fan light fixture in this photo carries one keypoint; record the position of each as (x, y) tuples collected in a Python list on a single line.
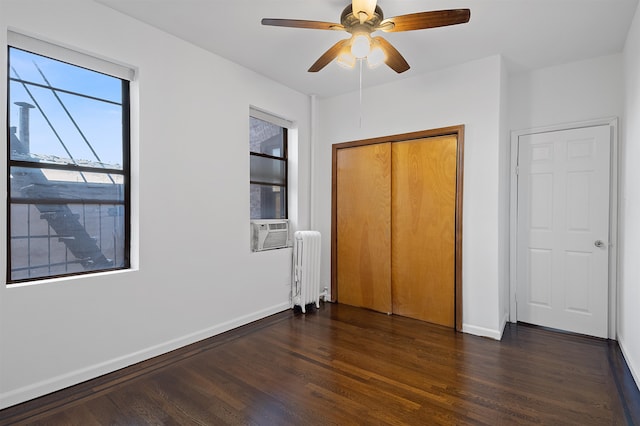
[(362, 18), (360, 46)]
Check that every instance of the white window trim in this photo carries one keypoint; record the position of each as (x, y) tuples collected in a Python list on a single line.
[(270, 118), (70, 56)]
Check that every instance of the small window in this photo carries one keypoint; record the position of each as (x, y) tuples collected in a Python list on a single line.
[(68, 167), (268, 169)]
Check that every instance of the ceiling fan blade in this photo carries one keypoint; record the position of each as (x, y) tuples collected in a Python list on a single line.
[(393, 58), (301, 23), (424, 20), (328, 56)]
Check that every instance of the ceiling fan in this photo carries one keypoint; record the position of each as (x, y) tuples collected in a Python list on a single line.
[(363, 17)]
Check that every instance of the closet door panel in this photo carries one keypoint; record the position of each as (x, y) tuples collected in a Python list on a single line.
[(423, 229), (364, 226)]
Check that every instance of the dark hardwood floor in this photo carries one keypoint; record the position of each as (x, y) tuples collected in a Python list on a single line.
[(343, 365)]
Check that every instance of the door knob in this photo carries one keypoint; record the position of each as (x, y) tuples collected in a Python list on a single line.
[(599, 243)]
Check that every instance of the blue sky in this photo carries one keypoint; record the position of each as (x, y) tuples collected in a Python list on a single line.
[(101, 122)]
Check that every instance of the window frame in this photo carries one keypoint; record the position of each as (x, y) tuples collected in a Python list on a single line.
[(276, 121), (94, 64)]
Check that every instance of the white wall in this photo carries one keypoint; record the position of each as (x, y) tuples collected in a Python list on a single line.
[(573, 92), (195, 275), (504, 198), (468, 94), (629, 236)]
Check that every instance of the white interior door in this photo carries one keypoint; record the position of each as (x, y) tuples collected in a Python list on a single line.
[(563, 229)]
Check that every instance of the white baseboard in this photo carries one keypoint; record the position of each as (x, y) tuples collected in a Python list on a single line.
[(503, 323), (633, 368), (71, 378), (482, 331)]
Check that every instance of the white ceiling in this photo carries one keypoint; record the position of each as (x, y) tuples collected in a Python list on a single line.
[(528, 33)]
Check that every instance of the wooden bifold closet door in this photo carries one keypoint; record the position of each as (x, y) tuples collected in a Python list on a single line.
[(397, 227), (364, 226), (423, 229)]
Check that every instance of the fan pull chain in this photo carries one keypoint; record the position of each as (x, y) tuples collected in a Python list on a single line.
[(360, 60)]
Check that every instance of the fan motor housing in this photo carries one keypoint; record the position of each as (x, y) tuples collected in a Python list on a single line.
[(351, 22)]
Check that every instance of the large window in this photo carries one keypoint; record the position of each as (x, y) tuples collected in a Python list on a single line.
[(68, 163), (268, 162)]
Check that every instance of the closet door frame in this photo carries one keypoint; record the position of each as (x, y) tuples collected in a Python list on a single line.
[(458, 132)]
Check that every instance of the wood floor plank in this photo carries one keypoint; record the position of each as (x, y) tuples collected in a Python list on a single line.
[(346, 365)]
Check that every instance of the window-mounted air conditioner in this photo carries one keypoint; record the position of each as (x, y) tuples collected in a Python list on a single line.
[(267, 234)]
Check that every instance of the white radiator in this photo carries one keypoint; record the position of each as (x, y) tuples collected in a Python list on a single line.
[(305, 286)]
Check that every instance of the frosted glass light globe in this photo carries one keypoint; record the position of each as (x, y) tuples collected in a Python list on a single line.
[(360, 46), (376, 57)]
